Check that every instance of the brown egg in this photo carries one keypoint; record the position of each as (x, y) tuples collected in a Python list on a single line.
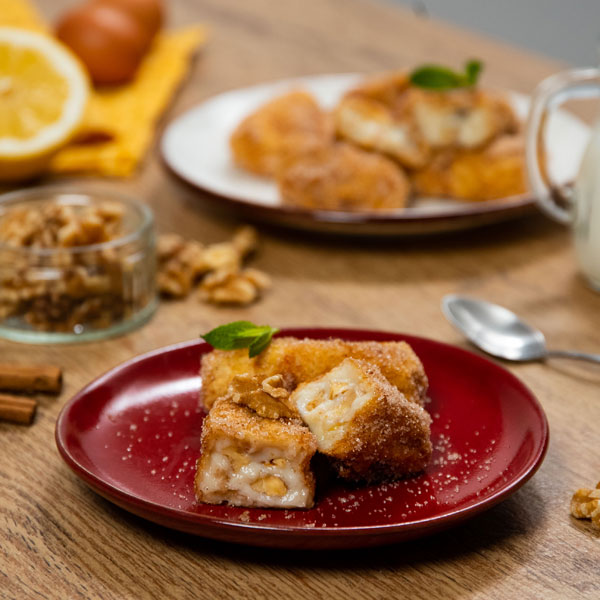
[(108, 41), (148, 13)]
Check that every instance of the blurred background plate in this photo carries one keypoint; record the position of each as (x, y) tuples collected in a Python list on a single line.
[(195, 146)]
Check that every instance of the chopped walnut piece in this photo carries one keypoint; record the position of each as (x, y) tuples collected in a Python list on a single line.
[(179, 265), (267, 398), (245, 240), (174, 281), (193, 256), (168, 245), (218, 267), (55, 225), (270, 485), (259, 279), (237, 458), (110, 211), (228, 288), (275, 386), (585, 504), (222, 257)]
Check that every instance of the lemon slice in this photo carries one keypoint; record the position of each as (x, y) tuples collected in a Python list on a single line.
[(43, 94)]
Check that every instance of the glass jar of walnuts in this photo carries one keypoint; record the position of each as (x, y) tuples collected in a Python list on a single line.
[(74, 265)]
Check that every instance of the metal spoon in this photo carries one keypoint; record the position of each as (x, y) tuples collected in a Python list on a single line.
[(500, 332)]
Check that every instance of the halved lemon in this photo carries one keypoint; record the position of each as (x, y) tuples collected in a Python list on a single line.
[(43, 94)]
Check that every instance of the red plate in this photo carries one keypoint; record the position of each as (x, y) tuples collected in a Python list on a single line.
[(133, 436)]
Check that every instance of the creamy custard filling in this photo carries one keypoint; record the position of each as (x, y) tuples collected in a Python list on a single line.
[(328, 405), (265, 476)]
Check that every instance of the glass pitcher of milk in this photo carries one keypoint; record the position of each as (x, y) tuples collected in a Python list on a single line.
[(577, 205)]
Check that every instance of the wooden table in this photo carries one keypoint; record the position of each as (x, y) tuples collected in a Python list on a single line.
[(60, 540)]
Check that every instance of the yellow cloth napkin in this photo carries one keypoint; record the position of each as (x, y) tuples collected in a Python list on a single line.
[(119, 122), (20, 13)]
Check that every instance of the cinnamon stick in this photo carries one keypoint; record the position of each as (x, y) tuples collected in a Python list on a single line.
[(17, 409), (31, 378)]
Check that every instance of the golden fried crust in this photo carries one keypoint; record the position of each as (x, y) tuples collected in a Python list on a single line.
[(408, 123), (344, 178), (367, 116), (373, 126), (497, 171), (287, 126), (241, 423), (463, 118), (384, 88), (377, 434), (303, 360)]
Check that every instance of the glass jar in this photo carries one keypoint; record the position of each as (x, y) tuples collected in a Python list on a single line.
[(75, 265)]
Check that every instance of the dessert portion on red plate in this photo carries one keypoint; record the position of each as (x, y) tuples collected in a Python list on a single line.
[(300, 359), (368, 429), (254, 457), (133, 436), (358, 405)]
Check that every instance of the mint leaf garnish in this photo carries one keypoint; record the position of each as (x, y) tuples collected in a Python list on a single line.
[(439, 78), (260, 343), (241, 334), (473, 69)]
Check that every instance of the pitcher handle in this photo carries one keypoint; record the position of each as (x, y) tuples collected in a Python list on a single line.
[(555, 201)]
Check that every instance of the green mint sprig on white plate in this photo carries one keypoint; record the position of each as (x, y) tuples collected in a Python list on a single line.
[(439, 78)]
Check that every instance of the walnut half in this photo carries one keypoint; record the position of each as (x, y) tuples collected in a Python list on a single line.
[(268, 398), (234, 287), (585, 504)]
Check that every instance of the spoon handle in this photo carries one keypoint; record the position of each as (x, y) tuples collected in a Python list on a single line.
[(577, 355)]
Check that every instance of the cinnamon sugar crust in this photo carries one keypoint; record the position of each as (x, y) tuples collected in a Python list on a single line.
[(365, 425), (301, 360)]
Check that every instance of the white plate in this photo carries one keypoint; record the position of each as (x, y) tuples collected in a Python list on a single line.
[(196, 148)]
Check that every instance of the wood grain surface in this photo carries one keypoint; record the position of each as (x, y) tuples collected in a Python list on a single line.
[(60, 540)]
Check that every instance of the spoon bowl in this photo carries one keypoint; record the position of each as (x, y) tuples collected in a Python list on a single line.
[(495, 329)]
